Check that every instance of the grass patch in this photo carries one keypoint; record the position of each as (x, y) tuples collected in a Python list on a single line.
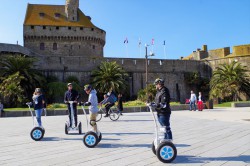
[(228, 104)]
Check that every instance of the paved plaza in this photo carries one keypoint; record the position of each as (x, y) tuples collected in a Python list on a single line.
[(212, 137)]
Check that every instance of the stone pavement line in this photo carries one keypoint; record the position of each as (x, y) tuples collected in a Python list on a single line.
[(200, 138)]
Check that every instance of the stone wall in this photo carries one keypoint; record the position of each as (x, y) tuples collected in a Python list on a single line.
[(171, 70), (70, 41)]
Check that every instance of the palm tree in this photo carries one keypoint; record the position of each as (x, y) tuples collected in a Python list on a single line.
[(12, 91), (229, 80), (22, 65), (109, 76)]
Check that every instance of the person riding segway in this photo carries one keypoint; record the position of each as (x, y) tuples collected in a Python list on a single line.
[(163, 146), (70, 98)]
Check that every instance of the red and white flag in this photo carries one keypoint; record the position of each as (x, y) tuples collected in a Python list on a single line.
[(153, 41)]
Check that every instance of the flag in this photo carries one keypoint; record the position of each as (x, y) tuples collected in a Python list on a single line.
[(164, 42), (153, 41), (126, 40), (139, 42)]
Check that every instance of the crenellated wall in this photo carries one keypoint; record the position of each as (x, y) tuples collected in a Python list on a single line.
[(171, 70), (73, 41)]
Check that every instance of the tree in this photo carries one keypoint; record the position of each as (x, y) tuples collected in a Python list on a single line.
[(12, 90), (23, 65), (150, 90), (109, 75), (229, 80)]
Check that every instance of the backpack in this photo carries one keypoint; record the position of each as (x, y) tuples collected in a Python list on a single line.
[(114, 97)]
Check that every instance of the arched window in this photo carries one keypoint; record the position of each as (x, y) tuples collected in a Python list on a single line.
[(42, 46), (54, 46)]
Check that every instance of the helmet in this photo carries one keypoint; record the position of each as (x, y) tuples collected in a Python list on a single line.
[(38, 90), (159, 81), (87, 87)]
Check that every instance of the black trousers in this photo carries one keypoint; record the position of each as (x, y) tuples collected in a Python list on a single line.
[(108, 106), (74, 113)]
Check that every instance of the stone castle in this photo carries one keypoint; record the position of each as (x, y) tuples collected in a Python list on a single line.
[(67, 43)]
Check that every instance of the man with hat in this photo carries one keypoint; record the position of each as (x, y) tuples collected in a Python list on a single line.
[(162, 106), (71, 95)]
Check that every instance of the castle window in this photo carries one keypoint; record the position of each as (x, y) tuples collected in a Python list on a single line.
[(57, 15), (54, 46), (93, 47), (42, 46), (57, 28), (32, 27), (41, 14), (92, 29), (44, 27), (69, 28), (81, 28), (79, 47), (73, 18)]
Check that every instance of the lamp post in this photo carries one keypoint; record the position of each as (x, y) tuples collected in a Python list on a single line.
[(146, 57)]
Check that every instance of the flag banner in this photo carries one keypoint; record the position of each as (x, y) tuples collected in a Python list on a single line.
[(153, 41), (164, 42), (126, 40), (139, 42)]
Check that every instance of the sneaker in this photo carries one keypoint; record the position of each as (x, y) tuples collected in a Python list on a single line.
[(106, 116), (121, 114)]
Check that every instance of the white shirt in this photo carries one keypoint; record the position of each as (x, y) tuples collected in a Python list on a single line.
[(193, 97)]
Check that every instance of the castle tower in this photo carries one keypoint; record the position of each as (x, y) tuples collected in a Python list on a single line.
[(71, 9)]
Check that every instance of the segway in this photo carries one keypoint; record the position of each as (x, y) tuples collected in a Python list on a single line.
[(37, 132), (77, 128), (91, 138), (163, 148)]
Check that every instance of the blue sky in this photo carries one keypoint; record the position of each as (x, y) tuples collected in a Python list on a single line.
[(185, 25)]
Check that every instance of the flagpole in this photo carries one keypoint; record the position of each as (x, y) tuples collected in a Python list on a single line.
[(165, 51)]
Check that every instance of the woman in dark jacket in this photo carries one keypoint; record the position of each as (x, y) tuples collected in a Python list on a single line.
[(120, 106)]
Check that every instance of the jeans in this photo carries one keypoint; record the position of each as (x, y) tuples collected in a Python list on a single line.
[(190, 105), (74, 114), (164, 121), (38, 116)]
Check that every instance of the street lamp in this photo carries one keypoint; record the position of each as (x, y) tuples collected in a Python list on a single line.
[(146, 57)]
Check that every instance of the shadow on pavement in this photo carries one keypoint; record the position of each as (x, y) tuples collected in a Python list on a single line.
[(127, 133), (135, 120), (123, 145), (195, 159)]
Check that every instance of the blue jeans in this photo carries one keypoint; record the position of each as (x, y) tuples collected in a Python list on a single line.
[(164, 121), (190, 105), (38, 116)]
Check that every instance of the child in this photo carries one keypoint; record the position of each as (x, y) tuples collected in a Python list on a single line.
[(39, 102), (120, 106)]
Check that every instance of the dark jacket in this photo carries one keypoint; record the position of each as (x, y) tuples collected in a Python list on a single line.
[(162, 100), (119, 105), (71, 95)]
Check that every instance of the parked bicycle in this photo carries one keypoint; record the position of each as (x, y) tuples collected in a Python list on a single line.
[(113, 114)]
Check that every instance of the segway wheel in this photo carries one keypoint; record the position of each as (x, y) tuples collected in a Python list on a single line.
[(37, 133), (66, 129), (80, 128), (114, 115), (43, 131), (153, 147), (90, 139), (98, 116), (166, 152), (100, 137)]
